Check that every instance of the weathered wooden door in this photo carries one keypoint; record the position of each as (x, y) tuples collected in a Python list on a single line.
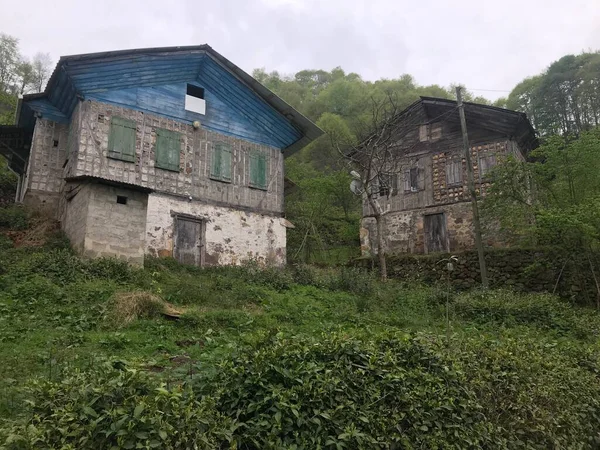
[(189, 243), (436, 237)]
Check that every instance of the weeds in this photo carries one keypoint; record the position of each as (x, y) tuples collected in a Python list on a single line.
[(279, 357), (130, 306)]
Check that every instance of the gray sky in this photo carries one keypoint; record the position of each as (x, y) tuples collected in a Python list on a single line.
[(484, 44)]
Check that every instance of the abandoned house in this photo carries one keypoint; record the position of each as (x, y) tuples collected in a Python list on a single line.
[(165, 151), (425, 196)]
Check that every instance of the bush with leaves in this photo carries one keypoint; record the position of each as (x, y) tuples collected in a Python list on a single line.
[(339, 392), (105, 408), (544, 311)]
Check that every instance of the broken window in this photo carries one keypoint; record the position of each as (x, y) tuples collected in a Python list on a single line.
[(258, 170), (194, 99), (454, 172), (388, 184), (486, 163), (121, 139), (411, 180), (220, 168), (168, 148)]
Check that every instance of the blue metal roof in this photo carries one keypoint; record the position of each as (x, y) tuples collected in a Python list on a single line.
[(127, 77)]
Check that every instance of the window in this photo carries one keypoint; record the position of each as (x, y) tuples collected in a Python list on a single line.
[(121, 139), (194, 99), (258, 170), (430, 132), (454, 172), (168, 147), (388, 184), (220, 167), (411, 180), (485, 164), (121, 200)]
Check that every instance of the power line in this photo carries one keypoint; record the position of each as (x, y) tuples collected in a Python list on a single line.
[(489, 90)]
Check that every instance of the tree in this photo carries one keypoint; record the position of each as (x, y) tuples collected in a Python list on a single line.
[(25, 77), (553, 200), (377, 161), (564, 99), (42, 66), (9, 61)]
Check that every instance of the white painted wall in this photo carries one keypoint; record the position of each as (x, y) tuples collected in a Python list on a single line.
[(232, 236)]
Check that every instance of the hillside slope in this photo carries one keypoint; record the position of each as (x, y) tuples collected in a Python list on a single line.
[(99, 355)]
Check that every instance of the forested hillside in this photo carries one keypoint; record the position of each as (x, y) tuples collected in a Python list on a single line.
[(564, 100)]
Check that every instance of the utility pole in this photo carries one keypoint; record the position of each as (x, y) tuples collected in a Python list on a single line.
[(471, 186)]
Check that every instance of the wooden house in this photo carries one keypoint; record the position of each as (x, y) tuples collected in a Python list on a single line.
[(162, 151), (425, 197)]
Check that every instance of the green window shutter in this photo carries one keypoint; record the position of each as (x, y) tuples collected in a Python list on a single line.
[(121, 139), (220, 168), (262, 171), (215, 167), (226, 163), (258, 170), (168, 149)]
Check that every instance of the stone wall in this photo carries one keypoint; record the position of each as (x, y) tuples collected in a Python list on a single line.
[(74, 214), (43, 180), (404, 230), (193, 178), (527, 270), (232, 236), (404, 222)]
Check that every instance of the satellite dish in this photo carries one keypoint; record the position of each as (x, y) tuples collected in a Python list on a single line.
[(356, 187), (354, 174)]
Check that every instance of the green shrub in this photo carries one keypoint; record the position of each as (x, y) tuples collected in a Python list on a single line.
[(60, 266), (5, 242), (113, 269), (353, 280), (34, 290), (13, 217), (106, 408), (393, 391), (539, 393), (541, 310)]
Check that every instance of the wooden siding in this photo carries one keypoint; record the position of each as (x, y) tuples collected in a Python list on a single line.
[(155, 82), (169, 101), (430, 158)]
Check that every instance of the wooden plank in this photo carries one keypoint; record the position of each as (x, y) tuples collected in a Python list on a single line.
[(254, 108), (236, 90)]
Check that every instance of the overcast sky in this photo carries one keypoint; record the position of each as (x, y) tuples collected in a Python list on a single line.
[(484, 44)]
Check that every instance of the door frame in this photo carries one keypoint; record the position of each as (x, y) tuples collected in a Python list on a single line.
[(425, 233), (190, 218)]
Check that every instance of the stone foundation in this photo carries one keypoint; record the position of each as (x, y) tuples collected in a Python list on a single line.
[(405, 231), (232, 236)]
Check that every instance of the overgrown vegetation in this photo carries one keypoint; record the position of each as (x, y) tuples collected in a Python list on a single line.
[(97, 354)]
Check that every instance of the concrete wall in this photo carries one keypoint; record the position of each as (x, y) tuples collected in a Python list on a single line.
[(74, 214), (232, 236), (113, 229), (44, 180), (196, 151)]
